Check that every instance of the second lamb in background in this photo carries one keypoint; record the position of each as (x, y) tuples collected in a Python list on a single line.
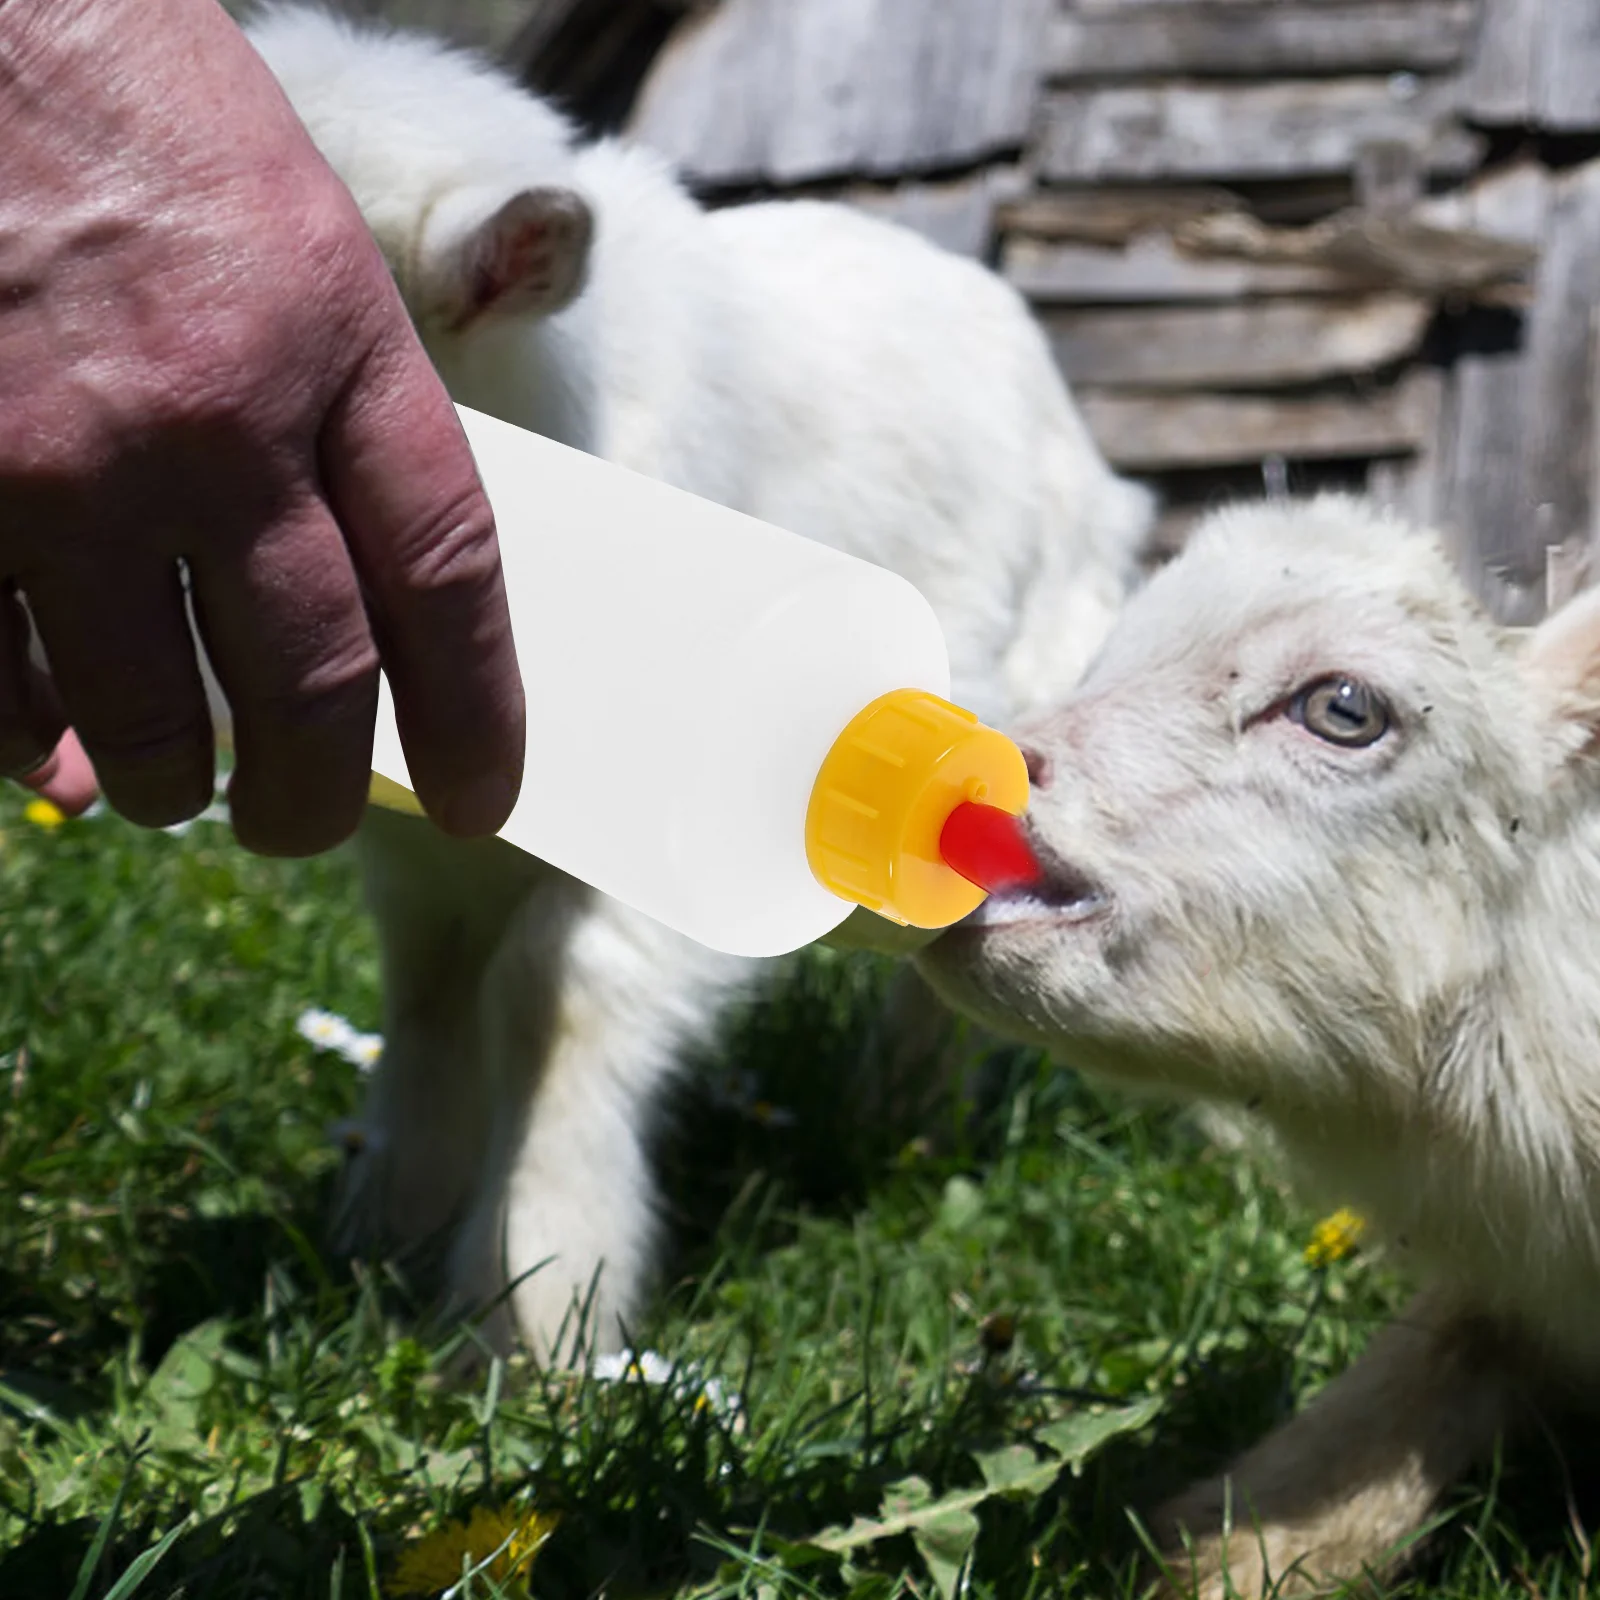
[(832, 374)]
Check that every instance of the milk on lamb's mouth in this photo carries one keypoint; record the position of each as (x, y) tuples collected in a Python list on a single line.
[(1063, 895)]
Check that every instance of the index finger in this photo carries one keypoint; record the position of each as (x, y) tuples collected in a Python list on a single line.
[(400, 478)]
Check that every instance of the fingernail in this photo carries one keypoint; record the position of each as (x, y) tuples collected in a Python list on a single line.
[(482, 806), (40, 773)]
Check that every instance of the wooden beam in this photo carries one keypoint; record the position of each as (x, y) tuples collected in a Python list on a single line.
[(1274, 344), (1233, 41), (1228, 255), (1164, 433), (1373, 251), (1151, 268), (1292, 128), (1507, 203), (1107, 216)]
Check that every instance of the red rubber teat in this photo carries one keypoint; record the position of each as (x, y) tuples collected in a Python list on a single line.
[(987, 847)]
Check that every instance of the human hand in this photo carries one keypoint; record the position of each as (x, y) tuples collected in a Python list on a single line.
[(64, 777), (203, 361)]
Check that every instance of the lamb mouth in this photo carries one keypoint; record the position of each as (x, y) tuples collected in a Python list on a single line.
[(1063, 894)]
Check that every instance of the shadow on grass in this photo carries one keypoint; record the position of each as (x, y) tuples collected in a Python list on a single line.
[(54, 1350), (803, 1105), (1526, 1511), (216, 1267), (267, 1546)]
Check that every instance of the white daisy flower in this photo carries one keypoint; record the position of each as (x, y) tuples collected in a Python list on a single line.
[(647, 1366), (363, 1050), (326, 1030)]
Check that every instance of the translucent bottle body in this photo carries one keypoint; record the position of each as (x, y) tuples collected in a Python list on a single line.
[(688, 670)]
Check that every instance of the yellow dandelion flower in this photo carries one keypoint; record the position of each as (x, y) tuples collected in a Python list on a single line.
[(436, 1562), (43, 813), (1335, 1237)]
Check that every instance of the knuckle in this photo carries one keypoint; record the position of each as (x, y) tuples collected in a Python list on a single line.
[(335, 685), (268, 360), (150, 739), (449, 547), (337, 254), (332, 237)]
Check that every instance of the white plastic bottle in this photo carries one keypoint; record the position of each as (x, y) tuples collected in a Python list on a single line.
[(738, 731)]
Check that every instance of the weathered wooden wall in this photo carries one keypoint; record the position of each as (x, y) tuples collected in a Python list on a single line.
[(1272, 242), (872, 88)]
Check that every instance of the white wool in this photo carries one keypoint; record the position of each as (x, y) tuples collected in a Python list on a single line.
[(831, 374)]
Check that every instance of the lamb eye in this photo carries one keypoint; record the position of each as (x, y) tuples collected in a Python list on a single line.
[(1344, 711)]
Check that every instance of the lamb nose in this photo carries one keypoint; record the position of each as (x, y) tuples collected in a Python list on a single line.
[(988, 847), (1038, 765)]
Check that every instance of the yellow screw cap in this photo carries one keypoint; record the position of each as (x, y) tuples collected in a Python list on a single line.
[(884, 793), (393, 796)]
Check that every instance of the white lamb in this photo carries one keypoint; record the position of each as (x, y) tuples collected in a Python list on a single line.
[(1321, 841), (828, 373)]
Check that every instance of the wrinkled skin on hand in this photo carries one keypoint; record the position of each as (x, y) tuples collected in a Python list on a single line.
[(204, 365)]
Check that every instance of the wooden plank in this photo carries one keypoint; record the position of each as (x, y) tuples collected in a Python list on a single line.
[(1291, 128), (1276, 344), (1538, 62), (1507, 203), (1152, 268), (1110, 216), (1559, 461), (1569, 67), (1163, 433), (1485, 427), (1373, 251), (958, 215), (1410, 483), (1567, 569), (1500, 85), (1106, 214), (728, 58), (1286, 39), (1230, 256), (769, 91)]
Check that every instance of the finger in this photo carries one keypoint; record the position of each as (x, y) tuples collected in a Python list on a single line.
[(30, 715), (122, 659), (66, 777), (287, 635), (401, 480)]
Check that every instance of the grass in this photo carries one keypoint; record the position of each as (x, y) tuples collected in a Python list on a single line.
[(924, 1369)]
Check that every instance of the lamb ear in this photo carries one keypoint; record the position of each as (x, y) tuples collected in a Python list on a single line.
[(1562, 659), (528, 259)]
